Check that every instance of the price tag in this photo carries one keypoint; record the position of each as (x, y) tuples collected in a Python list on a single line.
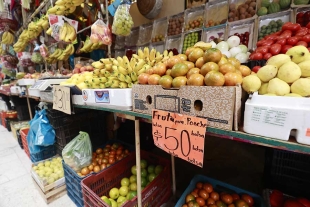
[(180, 135), (62, 99)]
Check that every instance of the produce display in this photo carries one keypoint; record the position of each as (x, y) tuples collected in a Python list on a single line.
[(242, 11), (278, 199), (301, 2), (175, 25), (7, 38), (303, 18), (103, 158), (205, 195), (270, 7), (67, 33), (197, 23), (244, 38), (158, 38), (280, 42), (283, 75), (190, 40), (272, 27), (128, 190), (49, 170), (60, 54)]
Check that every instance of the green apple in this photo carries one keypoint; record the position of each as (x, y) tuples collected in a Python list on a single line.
[(133, 186), (121, 200), (133, 179), (143, 164), (143, 173), (158, 169), (131, 195), (134, 170), (106, 200), (125, 182), (143, 181), (114, 193), (151, 177), (113, 203), (151, 169), (123, 190)]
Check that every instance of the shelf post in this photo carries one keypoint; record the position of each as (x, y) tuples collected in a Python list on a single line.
[(173, 175), (28, 103), (138, 163)]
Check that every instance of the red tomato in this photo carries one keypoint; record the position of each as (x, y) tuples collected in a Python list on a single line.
[(260, 43), (271, 37), (292, 203), (256, 56), (275, 49), (276, 198), (268, 42), (288, 26), (267, 56), (285, 48), (255, 69), (301, 32), (281, 41), (306, 38), (300, 15), (262, 49), (308, 26), (286, 34), (303, 43), (304, 202), (292, 41)]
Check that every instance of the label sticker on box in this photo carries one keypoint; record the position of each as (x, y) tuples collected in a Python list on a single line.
[(308, 132), (102, 97)]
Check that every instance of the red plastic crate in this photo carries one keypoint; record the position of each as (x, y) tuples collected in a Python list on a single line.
[(155, 194), (23, 134), (3, 116)]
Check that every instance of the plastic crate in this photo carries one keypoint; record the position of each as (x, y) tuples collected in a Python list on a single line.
[(59, 149), (23, 134), (76, 200), (73, 180), (155, 194), (46, 153), (19, 139), (218, 186), (22, 112), (65, 134), (287, 171)]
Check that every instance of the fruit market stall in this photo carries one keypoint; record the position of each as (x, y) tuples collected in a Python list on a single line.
[(236, 69)]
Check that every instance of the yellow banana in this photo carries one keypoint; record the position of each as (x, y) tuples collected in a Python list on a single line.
[(128, 79), (121, 77), (107, 60), (108, 66), (102, 85), (120, 62), (133, 62), (143, 70), (152, 54), (170, 54), (139, 65), (123, 85), (122, 70), (146, 51), (49, 31), (115, 84), (129, 85), (166, 53), (133, 76), (140, 54)]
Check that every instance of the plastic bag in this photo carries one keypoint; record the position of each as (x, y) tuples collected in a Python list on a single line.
[(123, 22), (44, 51), (100, 33), (36, 57), (78, 152)]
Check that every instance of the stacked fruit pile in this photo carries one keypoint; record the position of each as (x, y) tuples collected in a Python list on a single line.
[(60, 54), (268, 7), (283, 75), (128, 189)]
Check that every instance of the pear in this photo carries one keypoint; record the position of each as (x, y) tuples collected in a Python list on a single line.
[(278, 60), (278, 87), (301, 87), (305, 69), (263, 89), (298, 53), (251, 83), (289, 72), (267, 73)]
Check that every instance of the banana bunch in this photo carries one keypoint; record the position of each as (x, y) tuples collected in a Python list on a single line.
[(88, 46), (67, 33), (2, 52), (64, 7), (7, 38), (60, 54)]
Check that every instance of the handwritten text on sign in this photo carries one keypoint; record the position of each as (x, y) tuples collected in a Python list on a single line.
[(180, 135), (62, 99)]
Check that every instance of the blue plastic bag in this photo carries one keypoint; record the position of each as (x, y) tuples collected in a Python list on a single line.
[(41, 133)]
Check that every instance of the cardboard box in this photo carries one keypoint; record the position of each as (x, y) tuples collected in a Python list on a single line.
[(220, 105), (277, 116)]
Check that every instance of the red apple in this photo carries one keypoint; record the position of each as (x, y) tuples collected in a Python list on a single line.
[(76, 70), (256, 69)]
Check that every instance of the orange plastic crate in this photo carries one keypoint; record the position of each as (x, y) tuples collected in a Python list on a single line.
[(23, 134)]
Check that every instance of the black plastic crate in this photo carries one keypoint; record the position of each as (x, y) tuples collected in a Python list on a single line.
[(59, 149), (46, 153), (65, 134), (252, 63), (22, 112), (288, 172), (19, 139)]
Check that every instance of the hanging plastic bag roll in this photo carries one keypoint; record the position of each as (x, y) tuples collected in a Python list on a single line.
[(123, 22), (78, 152)]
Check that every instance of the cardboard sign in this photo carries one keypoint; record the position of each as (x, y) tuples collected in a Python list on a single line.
[(62, 99), (180, 135)]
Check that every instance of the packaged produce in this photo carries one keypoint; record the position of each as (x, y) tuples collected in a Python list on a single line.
[(193, 18), (159, 30), (216, 13), (123, 22), (36, 57), (78, 152), (100, 33), (63, 28), (175, 24), (190, 39), (240, 9), (145, 34), (271, 6)]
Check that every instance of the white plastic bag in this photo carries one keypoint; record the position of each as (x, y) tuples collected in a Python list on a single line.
[(123, 22)]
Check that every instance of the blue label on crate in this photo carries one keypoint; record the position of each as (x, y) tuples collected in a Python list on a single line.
[(102, 97)]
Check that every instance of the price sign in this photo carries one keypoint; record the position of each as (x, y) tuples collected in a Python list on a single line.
[(62, 99), (180, 135)]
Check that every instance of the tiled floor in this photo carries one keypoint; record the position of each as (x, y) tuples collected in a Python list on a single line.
[(16, 186)]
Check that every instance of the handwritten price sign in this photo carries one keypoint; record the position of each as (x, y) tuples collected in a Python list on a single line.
[(62, 99), (180, 135)]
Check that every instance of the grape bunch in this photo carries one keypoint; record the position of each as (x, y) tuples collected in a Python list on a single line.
[(122, 21)]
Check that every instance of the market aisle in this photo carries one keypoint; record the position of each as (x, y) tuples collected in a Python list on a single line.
[(16, 185)]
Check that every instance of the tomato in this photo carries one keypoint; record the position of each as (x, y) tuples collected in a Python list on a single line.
[(235, 195), (304, 202), (306, 38), (200, 201), (276, 198), (255, 69), (199, 185), (302, 32), (286, 34), (228, 199), (271, 37), (308, 26), (288, 26), (275, 49), (203, 194), (285, 48), (248, 199), (262, 49), (256, 56), (281, 41), (267, 56), (215, 196), (303, 43), (300, 15), (292, 41), (267, 42), (292, 203), (260, 43), (208, 187)]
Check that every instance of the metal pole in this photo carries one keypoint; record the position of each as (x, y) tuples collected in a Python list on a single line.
[(28, 103), (138, 164), (173, 175)]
